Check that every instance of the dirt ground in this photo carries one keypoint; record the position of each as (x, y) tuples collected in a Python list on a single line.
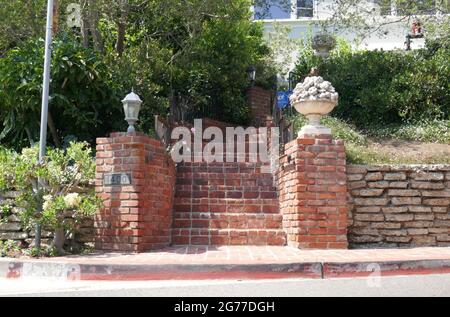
[(413, 150)]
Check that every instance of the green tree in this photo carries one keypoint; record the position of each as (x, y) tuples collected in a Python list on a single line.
[(20, 20), (376, 17), (83, 101), (192, 54), (206, 47), (388, 87)]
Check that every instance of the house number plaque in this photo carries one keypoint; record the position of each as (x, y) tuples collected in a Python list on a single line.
[(117, 179)]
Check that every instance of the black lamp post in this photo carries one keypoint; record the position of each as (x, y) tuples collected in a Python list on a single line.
[(251, 72)]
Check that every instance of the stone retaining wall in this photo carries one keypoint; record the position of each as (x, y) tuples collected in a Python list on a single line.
[(11, 227), (390, 206), (399, 206)]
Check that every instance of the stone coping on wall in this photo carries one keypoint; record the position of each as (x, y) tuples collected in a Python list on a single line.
[(401, 167)]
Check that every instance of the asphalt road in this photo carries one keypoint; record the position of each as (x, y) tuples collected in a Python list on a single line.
[(410, 286)]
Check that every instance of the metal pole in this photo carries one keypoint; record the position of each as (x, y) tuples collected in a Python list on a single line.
[(45, 97), (408, 42)]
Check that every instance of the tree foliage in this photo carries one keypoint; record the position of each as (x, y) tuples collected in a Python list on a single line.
[(192, 54), (365, 18), (52, 186), (83, 100), (20, 20), (388, 87)]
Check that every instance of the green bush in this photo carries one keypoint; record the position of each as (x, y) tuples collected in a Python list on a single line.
[(14, 249), (385, 87), (9, 248), (5, 212), (173, 54), (422, 90), (84, 100), (59, 195)]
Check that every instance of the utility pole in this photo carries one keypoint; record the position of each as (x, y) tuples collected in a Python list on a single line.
[(45, 97)]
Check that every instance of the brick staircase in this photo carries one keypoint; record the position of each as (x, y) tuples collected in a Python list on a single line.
[(226, 204), (234, 203)]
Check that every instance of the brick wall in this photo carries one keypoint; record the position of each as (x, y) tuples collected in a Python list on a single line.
[(313, 193), (137, 217), (399, 206), (259, 101)]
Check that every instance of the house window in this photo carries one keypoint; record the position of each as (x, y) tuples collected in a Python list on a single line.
[(283, 9), (272, 9), (305, 8)]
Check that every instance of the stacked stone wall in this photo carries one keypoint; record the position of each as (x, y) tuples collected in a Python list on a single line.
[(399, 206)]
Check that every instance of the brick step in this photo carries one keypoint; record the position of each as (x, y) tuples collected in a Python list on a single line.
[(198, 220), (225, 173), (226, 204), (265, 206), (237, 142), (218, 174), (231, 164), (221, 178), (223, 168), (236, 159), (246, 145), (226, 192), (216, 182), (228, 237)]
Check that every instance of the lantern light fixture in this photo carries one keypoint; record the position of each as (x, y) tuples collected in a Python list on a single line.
[(251, 72), (132, 106)]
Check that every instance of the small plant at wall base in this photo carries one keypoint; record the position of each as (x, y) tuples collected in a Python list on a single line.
[(5, 212), (52, 193), (9, 248), (63, 213)]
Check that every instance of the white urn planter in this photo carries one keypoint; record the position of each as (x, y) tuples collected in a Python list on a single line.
[(314, 110), (314, 98), (323, 44)]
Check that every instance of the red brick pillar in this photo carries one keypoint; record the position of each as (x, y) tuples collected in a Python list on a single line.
[(259, 100), (313, 193), (136, 179)]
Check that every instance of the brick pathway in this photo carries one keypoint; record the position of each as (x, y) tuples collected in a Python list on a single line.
[(255, 255)]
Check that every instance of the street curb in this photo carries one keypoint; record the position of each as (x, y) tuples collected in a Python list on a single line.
[(385, 268), (16, 269), (69, 271)]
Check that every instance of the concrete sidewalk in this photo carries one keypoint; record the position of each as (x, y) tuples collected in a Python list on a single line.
[(226, 262)]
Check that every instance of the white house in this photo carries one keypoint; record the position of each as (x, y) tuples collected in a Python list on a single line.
[(303, 16)]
